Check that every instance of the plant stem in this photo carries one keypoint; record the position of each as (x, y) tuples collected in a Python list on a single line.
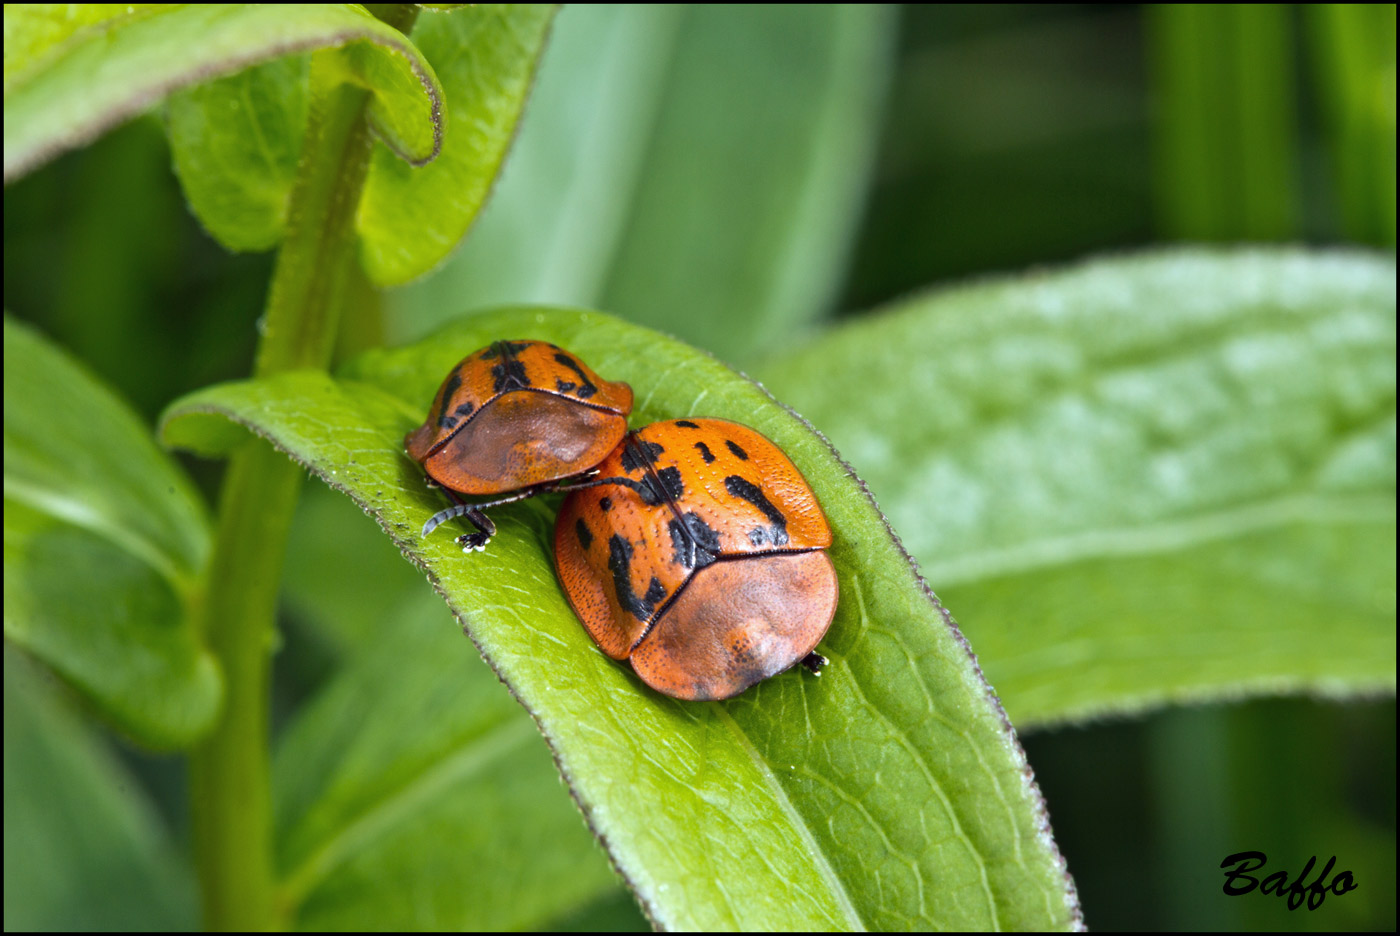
[(229, 772)]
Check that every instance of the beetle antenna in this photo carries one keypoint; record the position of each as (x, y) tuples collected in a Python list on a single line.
[(444, 515), (460, 509)]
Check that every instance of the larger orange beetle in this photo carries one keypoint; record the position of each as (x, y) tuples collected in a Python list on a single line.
[(697, 554)]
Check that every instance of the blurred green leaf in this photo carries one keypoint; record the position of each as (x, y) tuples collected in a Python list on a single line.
[(84, 850), (889, 794), (64, 94), (410, 218), (707, 185), (341, 575), (748, 199), (1143, 480), (104, 542), (36, 33), (471, 786)]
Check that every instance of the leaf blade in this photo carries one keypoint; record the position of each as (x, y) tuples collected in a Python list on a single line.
[(788, 137)]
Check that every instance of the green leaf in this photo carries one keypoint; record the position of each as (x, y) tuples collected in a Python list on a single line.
[(68, 88), (1143, 480), (698, 170), (35, 33), (104, 543), (411, 768), (84, 849), (891, 793), (1352, 47), (410, 218), (235, 142)]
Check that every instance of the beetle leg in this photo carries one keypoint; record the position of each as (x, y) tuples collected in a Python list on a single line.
[(475, 542), (814, 661)]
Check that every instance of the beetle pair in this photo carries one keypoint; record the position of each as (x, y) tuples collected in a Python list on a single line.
[(691, 547)]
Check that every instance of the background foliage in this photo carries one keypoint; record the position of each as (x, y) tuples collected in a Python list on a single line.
[(1208, 436)]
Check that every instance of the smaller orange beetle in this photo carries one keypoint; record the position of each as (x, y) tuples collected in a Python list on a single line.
[(515, 416), (698, 555)]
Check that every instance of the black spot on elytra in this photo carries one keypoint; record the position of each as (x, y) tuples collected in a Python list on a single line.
[(447, 422), (585, 387), (464, 410), (605, 503), (504, 349), (694, 542), (671, 483), (705, 452), (510, 373), (686, 424), (453, 384), (637, 454), (738, 452), (747, 490), (585, 535), (620, 562)]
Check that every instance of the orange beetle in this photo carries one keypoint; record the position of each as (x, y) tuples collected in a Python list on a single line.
[(698, 555), (515, 416)]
